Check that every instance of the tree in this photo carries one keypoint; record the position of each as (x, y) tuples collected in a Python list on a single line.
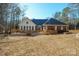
[(63, 15), (66, 14), (8, 14), (4, 14), (17, 13), (57, 15), (74, 13)]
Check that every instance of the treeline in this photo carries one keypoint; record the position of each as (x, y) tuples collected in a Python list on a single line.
[(10, 14), (69, 15)]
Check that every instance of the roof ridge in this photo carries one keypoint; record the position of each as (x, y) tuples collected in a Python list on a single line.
[(39, 21), (54, 21)]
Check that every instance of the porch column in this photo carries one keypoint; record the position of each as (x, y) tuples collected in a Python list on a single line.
[(61, 27), (55, 27), (34, 28), (25, 28), (46, 28), (43, 28), (66, 28), (31, 28), (20, 27)]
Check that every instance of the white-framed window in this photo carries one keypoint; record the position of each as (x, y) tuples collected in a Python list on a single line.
[(32, 27), (24, 27), (29, 27), (27, 22)]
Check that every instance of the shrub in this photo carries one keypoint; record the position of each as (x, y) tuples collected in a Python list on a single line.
[(28, 33)]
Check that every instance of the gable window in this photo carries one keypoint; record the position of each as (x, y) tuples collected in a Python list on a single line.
[(26, 22)]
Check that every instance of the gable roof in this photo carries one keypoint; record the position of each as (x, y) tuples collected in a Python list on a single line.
[(39, 21), (53, 21), (24, 20)]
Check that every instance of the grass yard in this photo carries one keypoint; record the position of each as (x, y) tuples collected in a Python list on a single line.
[(41, 45)]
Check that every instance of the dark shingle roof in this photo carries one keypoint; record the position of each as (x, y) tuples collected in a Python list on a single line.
[(39, 21), (53, 21), (50, 21)]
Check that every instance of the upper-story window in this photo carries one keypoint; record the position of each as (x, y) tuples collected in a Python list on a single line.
[(26, 22)]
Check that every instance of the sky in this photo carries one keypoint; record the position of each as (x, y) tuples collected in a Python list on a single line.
[(42, 10)]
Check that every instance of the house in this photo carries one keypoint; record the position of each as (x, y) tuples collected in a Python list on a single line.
[(43, 25), (55, 25), (27, 25), (39, 23)]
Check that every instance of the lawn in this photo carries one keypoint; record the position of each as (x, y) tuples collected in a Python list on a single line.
[(41, 45)]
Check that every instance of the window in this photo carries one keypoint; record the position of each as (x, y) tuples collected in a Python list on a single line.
[(24, 27), (32, 28), (27, 27), (26, 22)]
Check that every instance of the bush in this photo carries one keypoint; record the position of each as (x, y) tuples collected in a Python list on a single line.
[(67, 32), (29, 33), (50, 32)]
